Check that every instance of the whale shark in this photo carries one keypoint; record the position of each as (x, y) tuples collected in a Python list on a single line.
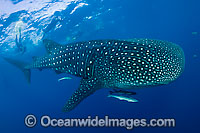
[(116, 64)]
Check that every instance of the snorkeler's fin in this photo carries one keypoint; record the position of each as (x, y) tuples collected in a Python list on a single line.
[(22, 66), (86, 88)]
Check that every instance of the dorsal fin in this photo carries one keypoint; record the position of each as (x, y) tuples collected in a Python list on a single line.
[(51, 46)]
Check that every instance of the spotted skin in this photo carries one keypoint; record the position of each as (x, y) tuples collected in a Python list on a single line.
[(124, 64)]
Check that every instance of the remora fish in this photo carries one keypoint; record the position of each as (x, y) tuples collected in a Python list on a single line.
[(64, 78), (124, 64), (128, 99)]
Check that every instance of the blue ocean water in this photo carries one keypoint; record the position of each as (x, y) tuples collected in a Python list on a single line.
[(66, 21)]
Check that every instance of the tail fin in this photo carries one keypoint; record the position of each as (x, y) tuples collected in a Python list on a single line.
[(21, 65)]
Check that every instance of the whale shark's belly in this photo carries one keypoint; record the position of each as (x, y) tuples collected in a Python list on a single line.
[(140, 63)]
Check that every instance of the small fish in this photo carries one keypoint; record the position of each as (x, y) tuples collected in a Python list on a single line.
[(128, 99), (194, 33), (64, 78)]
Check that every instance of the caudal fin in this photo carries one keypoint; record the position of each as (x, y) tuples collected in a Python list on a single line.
[(22, 66)]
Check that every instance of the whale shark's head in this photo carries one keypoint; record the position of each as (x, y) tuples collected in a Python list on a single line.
[(159, 62)]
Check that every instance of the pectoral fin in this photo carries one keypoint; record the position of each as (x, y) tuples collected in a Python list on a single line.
[(86, 88)]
